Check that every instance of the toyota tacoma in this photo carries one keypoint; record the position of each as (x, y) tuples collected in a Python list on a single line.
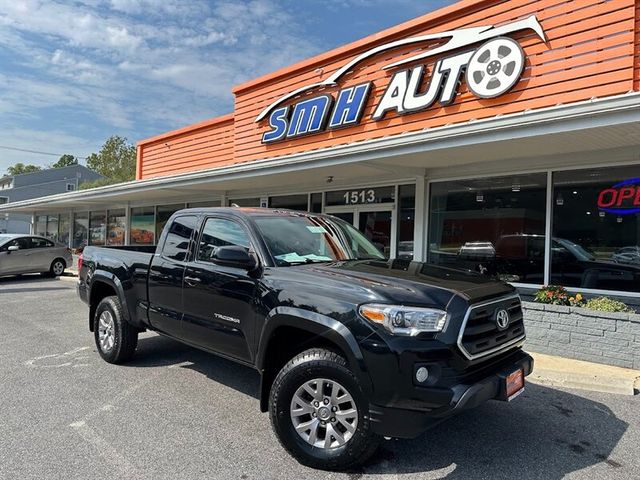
[(351, 347)]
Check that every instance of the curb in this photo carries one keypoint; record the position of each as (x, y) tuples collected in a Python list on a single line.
[(567, 373), (69, 277)]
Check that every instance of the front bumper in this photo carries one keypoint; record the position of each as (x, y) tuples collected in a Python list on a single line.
[(409, 423)]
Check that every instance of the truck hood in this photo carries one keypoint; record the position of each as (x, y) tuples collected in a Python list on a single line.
[(401, 281)]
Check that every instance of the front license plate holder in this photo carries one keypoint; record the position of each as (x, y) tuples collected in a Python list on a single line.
[(514, 384)]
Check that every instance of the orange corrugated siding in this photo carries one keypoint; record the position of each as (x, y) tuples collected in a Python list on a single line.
[(589, 53), (636, 75), (205, 145), (593, 50)]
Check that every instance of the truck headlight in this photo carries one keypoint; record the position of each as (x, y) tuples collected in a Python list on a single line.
[(409, 321)]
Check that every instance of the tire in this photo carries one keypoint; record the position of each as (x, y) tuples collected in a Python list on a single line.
[(330, 369), (115, 338), (57, 267)]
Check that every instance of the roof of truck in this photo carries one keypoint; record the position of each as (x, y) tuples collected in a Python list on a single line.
[(250, 211)]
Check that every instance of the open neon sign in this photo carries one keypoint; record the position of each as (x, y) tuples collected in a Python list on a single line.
[(622, 199)]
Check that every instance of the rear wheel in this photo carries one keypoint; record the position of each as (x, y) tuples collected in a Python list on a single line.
[(115, 338), (319, 413), (57, 267)]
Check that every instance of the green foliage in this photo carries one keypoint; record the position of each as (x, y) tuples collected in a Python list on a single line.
[(557, 295), (606, 304), (116, 161), (102, 182), (20, 168), (65, 160)]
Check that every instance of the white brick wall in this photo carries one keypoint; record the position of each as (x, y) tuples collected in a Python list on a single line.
[(609, 338)]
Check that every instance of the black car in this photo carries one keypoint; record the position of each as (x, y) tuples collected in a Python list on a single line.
[(350, 347)]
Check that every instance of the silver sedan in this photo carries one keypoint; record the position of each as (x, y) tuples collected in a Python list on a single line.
[(21, 253)]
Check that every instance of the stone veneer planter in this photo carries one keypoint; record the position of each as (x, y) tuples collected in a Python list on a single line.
[(602, 337)]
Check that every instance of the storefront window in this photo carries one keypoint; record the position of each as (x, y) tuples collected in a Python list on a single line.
[(406, 216), (291, 202), (116, 225), (63, 229), (97, 228), (163, 213), (41, 225), (80, 229), (207, 204), (245, 202), (596, 229), (316, 203), (360, 196), (52, 228), (491, 225), (142, 230)]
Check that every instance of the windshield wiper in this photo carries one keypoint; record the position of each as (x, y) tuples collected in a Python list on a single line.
[(307, 261)]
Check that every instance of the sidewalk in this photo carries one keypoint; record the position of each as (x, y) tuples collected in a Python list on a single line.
[(565, 372)]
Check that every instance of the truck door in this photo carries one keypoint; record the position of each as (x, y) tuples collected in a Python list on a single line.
[(166, 274), (218, 300)]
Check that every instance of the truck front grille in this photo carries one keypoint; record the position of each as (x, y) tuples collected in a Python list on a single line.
[(481, 335)]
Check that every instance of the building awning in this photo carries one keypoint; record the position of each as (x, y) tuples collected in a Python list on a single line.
[(533, 138)]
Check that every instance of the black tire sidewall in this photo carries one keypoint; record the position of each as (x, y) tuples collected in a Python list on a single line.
[(287, 385), (111, 305)]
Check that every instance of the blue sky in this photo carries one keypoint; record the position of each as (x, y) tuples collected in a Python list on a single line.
[(72, 73)]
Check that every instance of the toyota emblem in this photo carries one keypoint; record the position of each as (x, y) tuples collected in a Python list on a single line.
[(502, 319)]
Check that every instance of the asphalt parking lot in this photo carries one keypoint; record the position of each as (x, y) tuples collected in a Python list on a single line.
[(175, 412)]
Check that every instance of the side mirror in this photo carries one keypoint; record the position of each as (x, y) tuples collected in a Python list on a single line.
[(234, 256), (13, 248)]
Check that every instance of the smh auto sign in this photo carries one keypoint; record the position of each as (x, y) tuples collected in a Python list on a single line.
[(491, 68)]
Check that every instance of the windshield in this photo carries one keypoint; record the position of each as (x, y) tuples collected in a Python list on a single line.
[(4, 239), (303, 239)]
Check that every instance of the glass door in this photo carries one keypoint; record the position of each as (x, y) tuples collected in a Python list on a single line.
[(376, 222), (376, 226)]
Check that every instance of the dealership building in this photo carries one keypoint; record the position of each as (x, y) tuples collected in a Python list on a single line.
[(502, 137)]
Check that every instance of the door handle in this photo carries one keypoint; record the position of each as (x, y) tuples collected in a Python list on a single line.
[(192, 281)]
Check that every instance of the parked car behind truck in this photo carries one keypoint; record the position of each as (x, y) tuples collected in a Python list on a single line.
[(350, 346), (21, 254)]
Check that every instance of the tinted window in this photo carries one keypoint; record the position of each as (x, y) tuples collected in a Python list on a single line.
[(22, 243), (176, 245), (40, 243), (219, 232)]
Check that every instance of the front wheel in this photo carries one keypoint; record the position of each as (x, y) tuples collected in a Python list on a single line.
[(115, 338), (319, 413)]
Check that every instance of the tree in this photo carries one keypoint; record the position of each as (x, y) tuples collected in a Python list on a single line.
[(20, 168), (65, 160), (116, 161)]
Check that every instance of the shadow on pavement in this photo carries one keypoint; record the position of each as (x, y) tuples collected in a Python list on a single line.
[(544, 434), (159, 351)]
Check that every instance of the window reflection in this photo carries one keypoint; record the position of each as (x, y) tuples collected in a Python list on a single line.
[(593, 247), (494, 226)]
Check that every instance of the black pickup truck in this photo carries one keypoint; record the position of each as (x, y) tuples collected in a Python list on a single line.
[(350, 346)]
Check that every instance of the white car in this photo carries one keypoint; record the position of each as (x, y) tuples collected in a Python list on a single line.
[(21, 253)]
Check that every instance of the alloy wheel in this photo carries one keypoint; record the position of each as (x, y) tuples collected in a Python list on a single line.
[(106, 331), (58, 268), (324, 413)]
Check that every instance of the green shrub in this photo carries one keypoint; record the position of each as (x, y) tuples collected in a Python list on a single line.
[(606, 304), (557, 295)]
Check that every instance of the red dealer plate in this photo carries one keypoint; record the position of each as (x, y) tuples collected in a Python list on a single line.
[(515, 384)]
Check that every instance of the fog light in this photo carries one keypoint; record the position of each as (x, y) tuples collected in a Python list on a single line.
[(422, 374)]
